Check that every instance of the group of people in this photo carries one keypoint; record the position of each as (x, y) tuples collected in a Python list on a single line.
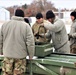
[(18, 39), (55, 30)]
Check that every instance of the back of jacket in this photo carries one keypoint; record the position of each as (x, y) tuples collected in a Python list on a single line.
[(17, 38), (59, 36)]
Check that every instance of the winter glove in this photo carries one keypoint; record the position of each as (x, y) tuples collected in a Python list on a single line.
[(69, 36)]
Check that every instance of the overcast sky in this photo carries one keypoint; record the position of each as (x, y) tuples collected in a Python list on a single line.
[(70, 4), (57, 3)]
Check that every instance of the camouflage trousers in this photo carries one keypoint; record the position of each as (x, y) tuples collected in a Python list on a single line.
[(14, 66), (73, 49)]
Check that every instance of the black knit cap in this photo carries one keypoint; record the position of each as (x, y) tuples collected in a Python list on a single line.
[(50, 14), (39, 15), (73, 14), (19, 13)]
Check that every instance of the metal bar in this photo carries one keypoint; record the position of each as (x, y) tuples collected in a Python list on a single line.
[(45, 69), (64, 54), (31, 73)]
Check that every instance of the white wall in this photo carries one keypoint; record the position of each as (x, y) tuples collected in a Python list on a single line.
[(4, 14), (32, 20)]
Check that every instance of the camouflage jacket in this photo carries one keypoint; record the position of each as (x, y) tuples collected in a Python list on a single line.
[(36, 28)]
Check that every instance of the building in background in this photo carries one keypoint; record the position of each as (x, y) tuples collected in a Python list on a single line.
[(4, 14)]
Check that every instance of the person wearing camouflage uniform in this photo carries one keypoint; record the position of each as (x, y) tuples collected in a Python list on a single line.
[(16, 42), (37, 29), (19, 66), (72, 33)]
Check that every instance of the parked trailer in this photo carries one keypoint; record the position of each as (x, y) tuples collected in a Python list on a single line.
[(49, 63)]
